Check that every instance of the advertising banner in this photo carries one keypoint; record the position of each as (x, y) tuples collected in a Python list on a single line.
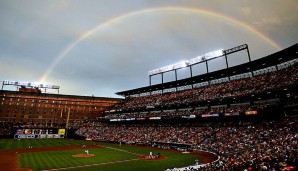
[(61, 131), (25, 136)]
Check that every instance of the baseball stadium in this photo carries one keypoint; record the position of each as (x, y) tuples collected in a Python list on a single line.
[(242, 117)]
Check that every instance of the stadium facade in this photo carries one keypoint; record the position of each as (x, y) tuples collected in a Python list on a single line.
[(29, 106)]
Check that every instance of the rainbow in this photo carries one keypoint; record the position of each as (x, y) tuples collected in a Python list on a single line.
[(101, 26)]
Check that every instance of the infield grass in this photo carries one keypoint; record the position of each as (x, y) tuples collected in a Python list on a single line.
[(173, 160)]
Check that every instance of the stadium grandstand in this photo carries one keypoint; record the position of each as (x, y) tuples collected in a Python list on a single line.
[(244, 116)]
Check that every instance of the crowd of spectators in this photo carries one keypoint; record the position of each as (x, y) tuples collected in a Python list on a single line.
[(5, 128), (263, 146), (274, 80), (241, 145)]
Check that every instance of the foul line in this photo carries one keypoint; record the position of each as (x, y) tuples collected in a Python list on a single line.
[(90, 165), (123, 150)]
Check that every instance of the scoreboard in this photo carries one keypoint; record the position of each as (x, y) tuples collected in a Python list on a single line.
[(39, 133)]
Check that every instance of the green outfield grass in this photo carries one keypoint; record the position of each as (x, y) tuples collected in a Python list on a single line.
[(113, 153), (11, 144)]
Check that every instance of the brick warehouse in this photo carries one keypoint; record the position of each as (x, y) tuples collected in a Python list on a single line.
[(29, 105)]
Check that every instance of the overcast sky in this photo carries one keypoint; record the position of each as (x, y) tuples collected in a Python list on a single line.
[(101, 47)]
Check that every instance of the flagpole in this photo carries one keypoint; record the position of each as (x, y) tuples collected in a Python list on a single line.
[(66, 127)]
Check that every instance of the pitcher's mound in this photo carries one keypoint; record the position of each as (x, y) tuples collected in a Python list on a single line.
[(83, 155)]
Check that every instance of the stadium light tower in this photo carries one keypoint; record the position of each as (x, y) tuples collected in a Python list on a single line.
[(173, 67), (30, 85), (200, 59), (184, 64)]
